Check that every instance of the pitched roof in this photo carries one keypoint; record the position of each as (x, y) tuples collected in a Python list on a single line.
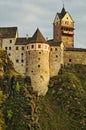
[(63, 12), (22, 41), (8, 32), (38, 37), (53, 43), (76, 49)]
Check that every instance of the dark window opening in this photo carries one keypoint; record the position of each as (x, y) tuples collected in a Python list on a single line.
[(22, 61), (51, 49), (38, 58), (32, 46), (5, 48), (10, 41), (38, 66), (9, 54), (27, 47), (32, 71), (70, 60), (22, 54), (55, 49), (17, 61), (22, 48), (39, 52), (17, 48), (39, 46), (9, 48), (56, 56)]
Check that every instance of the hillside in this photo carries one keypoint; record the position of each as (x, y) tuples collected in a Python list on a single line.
[(62, 108)]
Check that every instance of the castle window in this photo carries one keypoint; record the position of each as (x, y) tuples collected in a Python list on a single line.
[(17, 48), (27, 47), (22, 48), (5, 48), (70, 60), (9, 48), (55, 49), (56, 56), (22, 61), (22, 54), (32, 46), (39, 52), (51, 49), (38, 58), (10, 41), (38, 66), (39, 46), (17, 61), (9, 54)]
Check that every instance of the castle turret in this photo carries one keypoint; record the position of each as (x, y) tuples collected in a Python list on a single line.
[(38, 62), (63, 28)]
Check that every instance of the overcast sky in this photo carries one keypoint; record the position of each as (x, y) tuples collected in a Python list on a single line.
[(28, 15)]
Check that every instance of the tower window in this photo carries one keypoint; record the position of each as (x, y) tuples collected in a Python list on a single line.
[(9, 48), (9, 54), (17, 61), (56, 56), (70, 60), (5, 48), (38, 66), (55, 49), (27, 47), (39, 52), (22, 61), (32, 46), (51, 49), (38, 58), (39, 46)]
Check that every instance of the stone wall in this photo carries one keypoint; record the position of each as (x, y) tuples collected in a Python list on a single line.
[(75, 56), (38, 69), (19, 58), (55, 60)]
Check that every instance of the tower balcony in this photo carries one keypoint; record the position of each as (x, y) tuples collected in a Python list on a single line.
[(68, 32)]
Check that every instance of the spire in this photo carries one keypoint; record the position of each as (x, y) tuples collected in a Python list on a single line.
[(38, 37)]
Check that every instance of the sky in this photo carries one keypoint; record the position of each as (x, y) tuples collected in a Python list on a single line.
[(28, 15)]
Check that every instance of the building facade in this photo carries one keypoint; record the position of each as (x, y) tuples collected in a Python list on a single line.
[(41, 59)]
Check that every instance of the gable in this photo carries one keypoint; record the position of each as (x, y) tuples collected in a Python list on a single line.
[(67, 17), (57, 19)]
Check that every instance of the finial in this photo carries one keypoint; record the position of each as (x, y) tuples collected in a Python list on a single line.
[(63, 3)]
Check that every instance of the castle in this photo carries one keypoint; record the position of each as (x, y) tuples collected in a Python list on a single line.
[(40, 58)]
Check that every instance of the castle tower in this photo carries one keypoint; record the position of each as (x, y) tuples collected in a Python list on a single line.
[(37, 61), (63, 28)]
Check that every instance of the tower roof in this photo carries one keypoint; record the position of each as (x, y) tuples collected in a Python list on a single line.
[(38, 37), (63, 12)]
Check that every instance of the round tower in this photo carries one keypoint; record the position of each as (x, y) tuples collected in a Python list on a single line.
[(37, 61)]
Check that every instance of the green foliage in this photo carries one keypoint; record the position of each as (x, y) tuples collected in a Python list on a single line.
[(64, 106)]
